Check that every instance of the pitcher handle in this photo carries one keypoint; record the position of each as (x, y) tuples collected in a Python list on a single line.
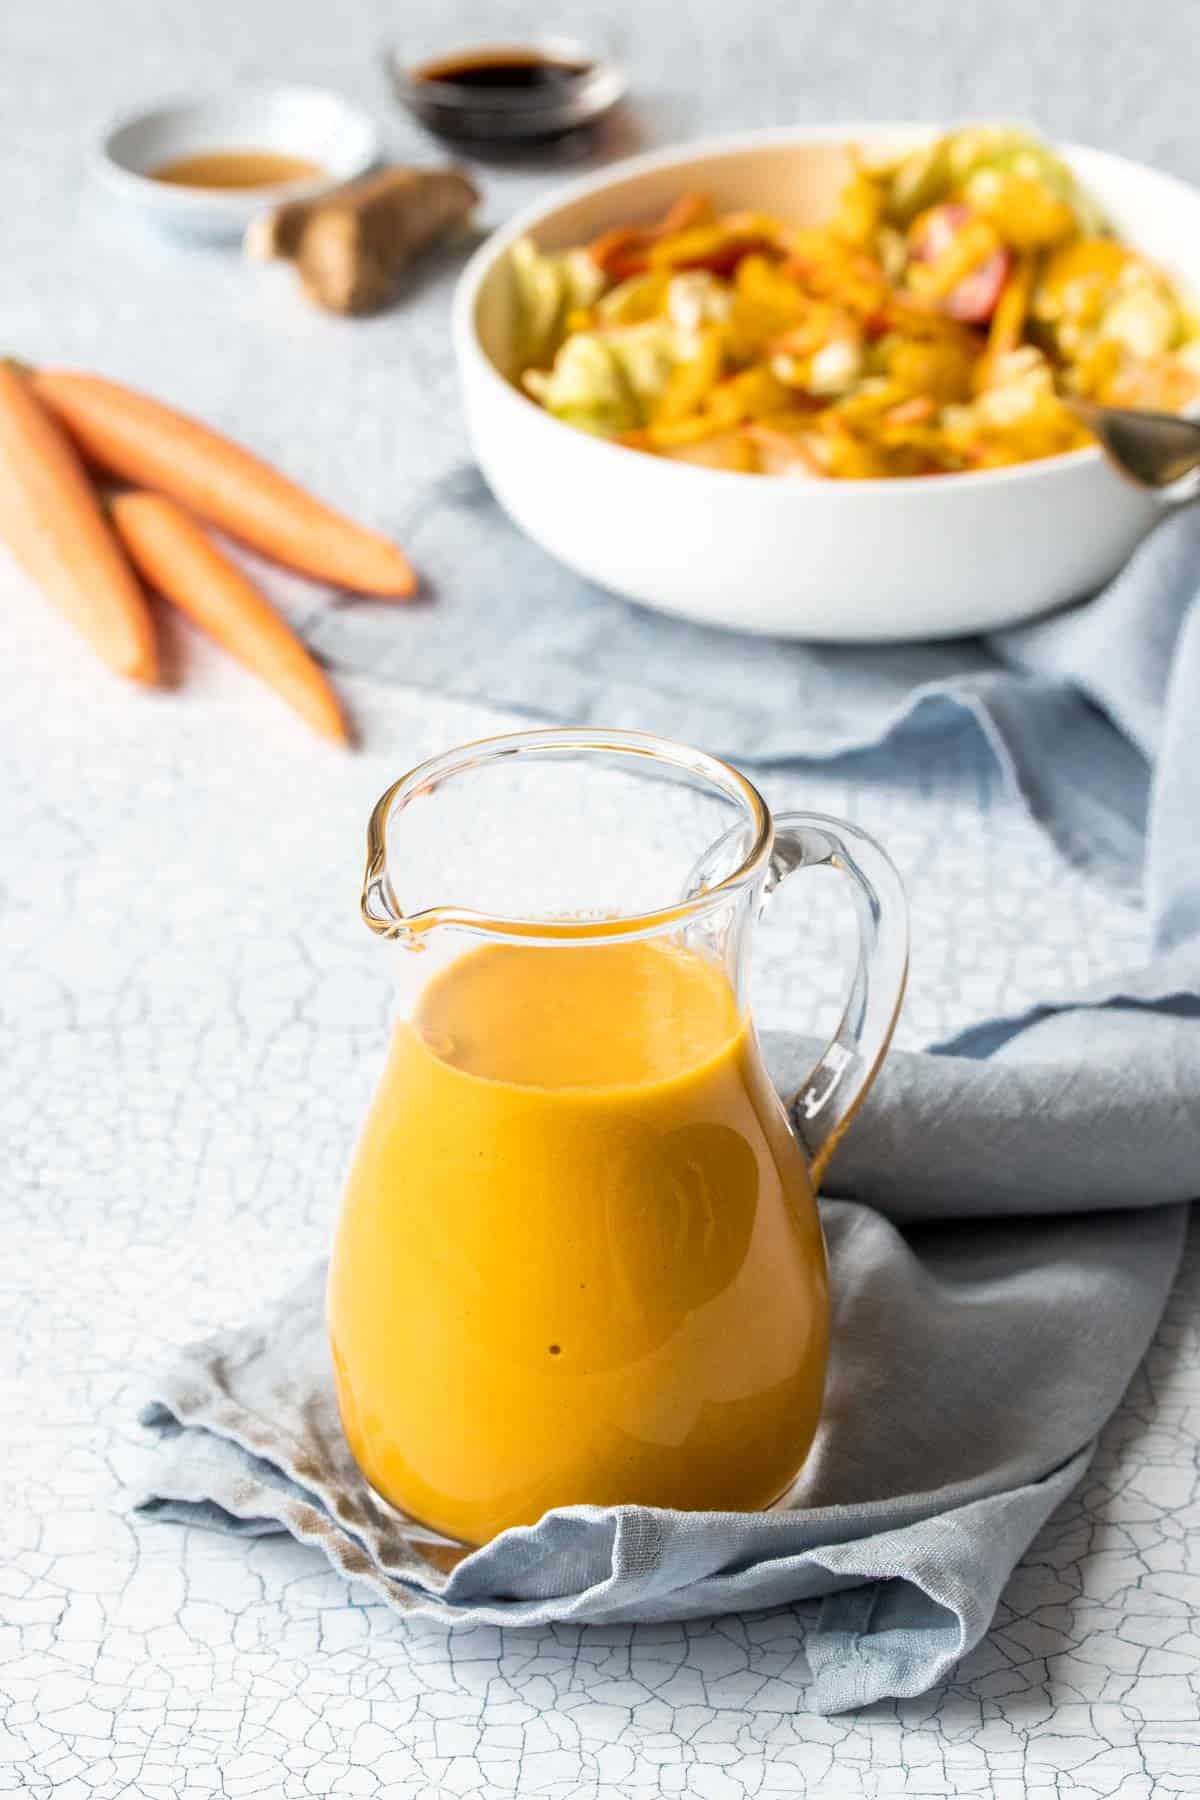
[(824, 1104)]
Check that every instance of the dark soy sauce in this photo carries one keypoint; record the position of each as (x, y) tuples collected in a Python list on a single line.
[(519, 72)]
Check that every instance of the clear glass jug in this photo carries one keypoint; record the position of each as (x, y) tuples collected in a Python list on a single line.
[(579, 1257)]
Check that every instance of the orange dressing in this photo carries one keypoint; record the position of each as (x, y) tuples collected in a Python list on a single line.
[(579, 1259), (237, 169)]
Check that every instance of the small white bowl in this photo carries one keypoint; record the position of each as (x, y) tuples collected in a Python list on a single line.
[(838, 561), (293, 121)]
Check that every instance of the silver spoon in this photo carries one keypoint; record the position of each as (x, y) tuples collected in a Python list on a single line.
[(1156, 450)]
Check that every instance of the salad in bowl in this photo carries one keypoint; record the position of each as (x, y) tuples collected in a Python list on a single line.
[(939, 320), (898, 318)]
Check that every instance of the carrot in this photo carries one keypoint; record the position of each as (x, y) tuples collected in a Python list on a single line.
[(622, 251), (52, 522), (144, 442), (175, 557)]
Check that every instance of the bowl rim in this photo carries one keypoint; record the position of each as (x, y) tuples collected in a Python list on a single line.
[(469, 349), (167, 196)]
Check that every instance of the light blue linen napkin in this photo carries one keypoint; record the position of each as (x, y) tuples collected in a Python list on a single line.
[(1006, 1218)]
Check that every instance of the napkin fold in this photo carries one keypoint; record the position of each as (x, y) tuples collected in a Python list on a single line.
[(1006, 1217)]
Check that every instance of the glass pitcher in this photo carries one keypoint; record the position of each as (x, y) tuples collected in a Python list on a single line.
[(579, 1257)]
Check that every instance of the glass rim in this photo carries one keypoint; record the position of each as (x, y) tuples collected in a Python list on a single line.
[(595, 71), (386, 917)]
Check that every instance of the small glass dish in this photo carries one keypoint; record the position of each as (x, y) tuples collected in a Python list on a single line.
[(488, 98)]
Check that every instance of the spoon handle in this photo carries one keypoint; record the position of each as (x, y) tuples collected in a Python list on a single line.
[(1155, 450)]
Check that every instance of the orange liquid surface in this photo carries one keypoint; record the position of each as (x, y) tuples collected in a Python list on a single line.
[(578, 1258), (236, 169)]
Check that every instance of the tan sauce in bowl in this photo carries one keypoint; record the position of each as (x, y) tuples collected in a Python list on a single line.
[(236, 169)]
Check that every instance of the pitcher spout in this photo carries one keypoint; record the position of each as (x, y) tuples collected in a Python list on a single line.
[(380, 909), (560, 835)]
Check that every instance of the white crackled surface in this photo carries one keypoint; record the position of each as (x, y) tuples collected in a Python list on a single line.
[(191, 1016), (190, 1013)]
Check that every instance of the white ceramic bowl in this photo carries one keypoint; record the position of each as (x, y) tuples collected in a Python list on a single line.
[(294, 121), (839, 561)]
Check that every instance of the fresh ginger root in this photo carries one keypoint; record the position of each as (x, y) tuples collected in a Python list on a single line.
[(351, 245)]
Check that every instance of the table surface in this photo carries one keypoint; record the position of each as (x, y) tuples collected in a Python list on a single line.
[(191, 1017)]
